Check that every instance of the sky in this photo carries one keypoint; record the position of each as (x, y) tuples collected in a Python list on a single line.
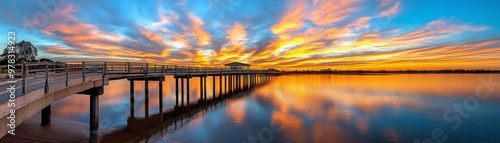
[(282, 34)]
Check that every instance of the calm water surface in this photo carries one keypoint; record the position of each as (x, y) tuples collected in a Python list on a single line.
[(320, 108)]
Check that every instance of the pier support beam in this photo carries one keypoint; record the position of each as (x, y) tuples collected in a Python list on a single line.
[(254, 79), (237, 82), (255, 82), (160, 92), (176, 92), (146, 99), (205, 88), (94, 118), (213, 87), (201, 88), (132, 114), (46, 116), (94, 112), (231, 83), (182, 91), (249, 80), (220, 86), (225, 84), (187, 93)]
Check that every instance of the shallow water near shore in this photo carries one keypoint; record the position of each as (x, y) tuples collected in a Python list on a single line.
[(317, 108)]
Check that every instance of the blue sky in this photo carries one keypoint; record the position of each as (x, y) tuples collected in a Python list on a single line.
[(285, 34)]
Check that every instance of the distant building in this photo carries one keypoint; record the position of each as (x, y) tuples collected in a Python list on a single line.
[(46, 60), (237, 66)]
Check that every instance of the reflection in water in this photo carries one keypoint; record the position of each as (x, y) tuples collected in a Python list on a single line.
[(115, 102), (317, 108), (236, 111)]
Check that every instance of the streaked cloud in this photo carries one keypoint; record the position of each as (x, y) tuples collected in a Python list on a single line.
[(389, 7), (312, 34), (292, 19), (325, 12)]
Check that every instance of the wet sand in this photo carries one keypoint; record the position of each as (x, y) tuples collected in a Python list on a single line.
[(60, 130)]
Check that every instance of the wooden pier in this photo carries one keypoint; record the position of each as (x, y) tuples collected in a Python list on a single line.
[(38, 85)]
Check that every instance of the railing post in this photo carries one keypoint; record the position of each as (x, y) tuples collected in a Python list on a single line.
[(189, 73), (104, 68), (175, 70), (24, 69), (147, 68), (128, 68), (163, 70), (67, 75), (213, 88), (83, 71), (155, 69), (46, 78)]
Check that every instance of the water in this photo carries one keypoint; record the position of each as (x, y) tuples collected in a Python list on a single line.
[(322, 108)]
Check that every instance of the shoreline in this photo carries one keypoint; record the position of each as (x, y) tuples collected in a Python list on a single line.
[(60, 130)]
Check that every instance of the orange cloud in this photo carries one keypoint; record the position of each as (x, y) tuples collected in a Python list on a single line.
[(202, 36), (74, 31), (479, 55), (59, 50), (292, 19), (438, 29), (151, 36), (93, 41), (329, 11), (238, 32)]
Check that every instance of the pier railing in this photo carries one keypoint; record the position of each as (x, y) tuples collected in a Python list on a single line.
[(43, 73)]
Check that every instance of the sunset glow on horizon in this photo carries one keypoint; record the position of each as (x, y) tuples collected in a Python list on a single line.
[(282, 34)]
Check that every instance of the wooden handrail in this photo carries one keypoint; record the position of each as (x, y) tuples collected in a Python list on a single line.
[(57, 71)]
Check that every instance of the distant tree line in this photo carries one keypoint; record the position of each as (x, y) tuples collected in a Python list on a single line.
[(330, 71)]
